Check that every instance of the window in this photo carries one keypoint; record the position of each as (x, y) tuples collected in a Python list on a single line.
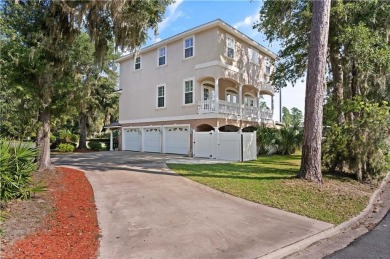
[(267, 66), (231, 96), (208, 92), (137, 63), (189, 47), (162, 56), (161, 96), (230, 43), (188, 92), (249, 100), (254, 56)]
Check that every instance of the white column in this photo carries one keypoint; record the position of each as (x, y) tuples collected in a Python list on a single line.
[(240, 98), (272, 104), (216, 89), (111, 141)]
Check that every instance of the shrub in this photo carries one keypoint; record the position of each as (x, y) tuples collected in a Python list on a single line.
[(52, 138), (290, 140), (65, 147), (74, 138), (360, 145), (95, 145), (285, 141), (267, 139), (64, 135), (16, 166)]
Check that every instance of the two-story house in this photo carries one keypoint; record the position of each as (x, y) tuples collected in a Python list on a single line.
[(209, 78)]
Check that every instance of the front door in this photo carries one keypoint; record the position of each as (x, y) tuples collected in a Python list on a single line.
[(208, 93), (208, 97)]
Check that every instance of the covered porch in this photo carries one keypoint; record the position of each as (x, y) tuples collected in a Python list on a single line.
[(227, 96)]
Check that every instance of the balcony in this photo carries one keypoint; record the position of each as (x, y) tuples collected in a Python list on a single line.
[(267, 87), (224, 107)]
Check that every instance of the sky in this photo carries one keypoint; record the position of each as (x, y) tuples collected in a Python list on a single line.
[(241, 14)]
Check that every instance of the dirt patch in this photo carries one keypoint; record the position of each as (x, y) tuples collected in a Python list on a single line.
[(70, 229)]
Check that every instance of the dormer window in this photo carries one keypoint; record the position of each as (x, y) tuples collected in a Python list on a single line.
[(230, 46), (137, 63), (189, 47), (162, 56)]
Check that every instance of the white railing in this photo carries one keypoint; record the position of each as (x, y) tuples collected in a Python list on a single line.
[(250, 112), (229, 108), (206, 106), (265, 114), (224, 107)]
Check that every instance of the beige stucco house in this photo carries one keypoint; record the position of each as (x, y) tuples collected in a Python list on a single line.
[(207, 78)]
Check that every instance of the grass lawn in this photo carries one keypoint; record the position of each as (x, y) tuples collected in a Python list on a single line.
[(270, 180)]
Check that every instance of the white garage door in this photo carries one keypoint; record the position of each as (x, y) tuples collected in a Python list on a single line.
[(132, 139), (177, 140), (152, 139)]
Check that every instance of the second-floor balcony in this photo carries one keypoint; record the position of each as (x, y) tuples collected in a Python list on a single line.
[(245, 112)]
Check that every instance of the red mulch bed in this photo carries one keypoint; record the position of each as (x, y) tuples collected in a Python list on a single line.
[(73, 230)]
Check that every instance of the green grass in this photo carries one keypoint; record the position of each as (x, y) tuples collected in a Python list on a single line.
[(270, 180)]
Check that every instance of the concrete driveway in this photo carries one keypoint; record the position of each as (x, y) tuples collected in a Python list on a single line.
[(147, 211)]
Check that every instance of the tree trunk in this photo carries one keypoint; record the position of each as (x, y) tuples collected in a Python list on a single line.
[(43, 140), (83, 131), (311, 150)]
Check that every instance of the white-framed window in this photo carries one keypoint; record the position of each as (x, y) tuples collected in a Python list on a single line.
[(267, 66), (137, 63), (231, 96), (230, 46), (189, 91), (189, 47), (162, 56), (254, 56), (249, 100), (160, 96)]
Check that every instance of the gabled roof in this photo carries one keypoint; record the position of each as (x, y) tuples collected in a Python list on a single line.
[(218, 22)]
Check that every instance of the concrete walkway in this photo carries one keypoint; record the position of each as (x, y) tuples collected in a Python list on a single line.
[(147, 211)]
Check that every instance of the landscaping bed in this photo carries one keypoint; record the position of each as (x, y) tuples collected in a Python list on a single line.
[(59, 223), (270, 180)]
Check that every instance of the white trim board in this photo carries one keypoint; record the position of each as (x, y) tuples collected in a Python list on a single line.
[(185, 117)]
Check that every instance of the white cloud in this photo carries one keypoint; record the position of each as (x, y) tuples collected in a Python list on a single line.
[(157, 40), (172, 14), (247, 22)]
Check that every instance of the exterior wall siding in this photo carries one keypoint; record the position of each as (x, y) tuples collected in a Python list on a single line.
[(138, 98)]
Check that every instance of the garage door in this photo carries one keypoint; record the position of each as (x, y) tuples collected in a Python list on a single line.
[(132, 139), (177, 140), (152, 139)]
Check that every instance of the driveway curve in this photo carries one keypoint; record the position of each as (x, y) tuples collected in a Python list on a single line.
[(147, 211)]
